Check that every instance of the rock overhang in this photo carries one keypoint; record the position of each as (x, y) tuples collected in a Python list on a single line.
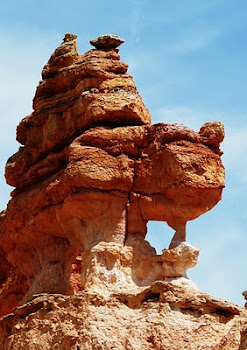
[(93, 171)]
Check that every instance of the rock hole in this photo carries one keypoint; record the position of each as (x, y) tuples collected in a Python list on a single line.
[(49, 309), (151, 296), (189, 309), (159, 235), (221, 312)]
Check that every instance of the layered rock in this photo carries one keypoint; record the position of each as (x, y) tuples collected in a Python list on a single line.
[(77, 92), (162, 316), (91, 173)]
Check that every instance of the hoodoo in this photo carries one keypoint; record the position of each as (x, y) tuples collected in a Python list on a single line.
[(76, 270)]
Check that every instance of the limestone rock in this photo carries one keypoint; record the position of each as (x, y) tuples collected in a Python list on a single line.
[(162, 316), (179, 259), (77, 93), (91, 173)]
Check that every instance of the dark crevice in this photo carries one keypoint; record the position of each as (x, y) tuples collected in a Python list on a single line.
[(129, 203), (127, 220), (29, 309), (151, 296), (111, 124), (138, 203), (49, 309), (189, 309), (221, 312)]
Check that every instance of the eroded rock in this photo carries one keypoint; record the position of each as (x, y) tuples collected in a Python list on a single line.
[(91, 173), (162, 316), (213, 133), (106, 42), (179, 259)]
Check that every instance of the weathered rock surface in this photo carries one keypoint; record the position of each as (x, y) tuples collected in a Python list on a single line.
[(112, 182), (91, 173), (162, 316), (106, 42)]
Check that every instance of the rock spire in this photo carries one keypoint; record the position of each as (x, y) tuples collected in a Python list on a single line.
[(91, 172)]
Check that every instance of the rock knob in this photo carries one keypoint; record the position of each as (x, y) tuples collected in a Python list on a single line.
[(69, 37), (107, 41), (214, 131)]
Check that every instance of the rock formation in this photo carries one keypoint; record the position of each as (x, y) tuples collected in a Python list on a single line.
[(91, 172)]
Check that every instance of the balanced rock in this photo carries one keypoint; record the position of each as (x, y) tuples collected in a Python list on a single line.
[(107, 42), (213, 132), (91, 172)]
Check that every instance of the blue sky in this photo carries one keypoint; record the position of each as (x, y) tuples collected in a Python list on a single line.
[(188, 59)]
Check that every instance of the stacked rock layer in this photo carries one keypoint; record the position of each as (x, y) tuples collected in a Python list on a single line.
[(91, 173)]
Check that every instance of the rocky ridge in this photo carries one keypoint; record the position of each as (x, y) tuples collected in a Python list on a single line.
[(91, 173)]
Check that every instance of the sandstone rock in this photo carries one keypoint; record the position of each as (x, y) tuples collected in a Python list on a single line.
[(108, 41), (213, 133), (179, 259), (69, 37), (77, 93), (74, 177), (188, 183), (162, 316), (91, 173), (65, 55)]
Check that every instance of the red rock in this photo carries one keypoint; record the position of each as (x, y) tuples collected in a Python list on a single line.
[(77, 92), (213, 133), (90, 175), (69, 164), (106, 42)]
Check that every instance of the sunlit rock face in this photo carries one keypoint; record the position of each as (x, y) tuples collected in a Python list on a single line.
[(91, 172)]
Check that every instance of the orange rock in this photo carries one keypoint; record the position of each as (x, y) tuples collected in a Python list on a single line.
[(106, 42), (90, 175), (161, 316), (73, 176), (77, 92)]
